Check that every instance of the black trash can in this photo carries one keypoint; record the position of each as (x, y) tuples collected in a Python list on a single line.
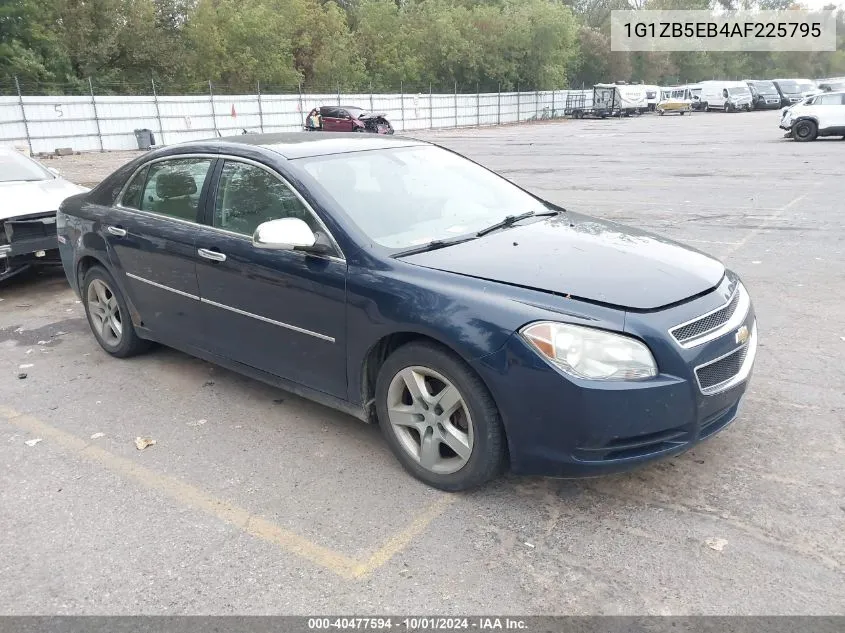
[(145, 138)]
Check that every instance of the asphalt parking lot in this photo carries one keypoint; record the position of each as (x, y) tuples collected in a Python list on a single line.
[(255, 501)]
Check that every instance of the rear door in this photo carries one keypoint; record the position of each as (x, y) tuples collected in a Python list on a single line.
[(280, 311), (829, 110), (150, 239), (331, 119)]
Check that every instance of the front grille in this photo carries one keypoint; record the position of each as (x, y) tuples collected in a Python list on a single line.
[(707, 323), (720, 371)]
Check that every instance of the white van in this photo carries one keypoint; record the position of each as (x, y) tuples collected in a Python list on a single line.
[(730, 96)]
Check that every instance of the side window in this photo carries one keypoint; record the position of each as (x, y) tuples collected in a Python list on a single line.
[(248, 196), (173, 187), (828, 100), (132, 195)]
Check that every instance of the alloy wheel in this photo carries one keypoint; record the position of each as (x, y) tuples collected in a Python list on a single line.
[(430, 419), (104, 312)]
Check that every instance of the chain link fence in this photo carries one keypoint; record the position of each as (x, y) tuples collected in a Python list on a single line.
[(45, 117)]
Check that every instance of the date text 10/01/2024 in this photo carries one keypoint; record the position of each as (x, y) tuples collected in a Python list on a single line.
[(417, 624)]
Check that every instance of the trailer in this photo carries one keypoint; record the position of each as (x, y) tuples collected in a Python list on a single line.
[(607, 100)]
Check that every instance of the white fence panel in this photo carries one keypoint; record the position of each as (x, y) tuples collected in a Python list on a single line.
[(109, 122)]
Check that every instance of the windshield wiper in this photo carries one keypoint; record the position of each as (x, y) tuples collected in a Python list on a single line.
[(433, 246), (510, 220)]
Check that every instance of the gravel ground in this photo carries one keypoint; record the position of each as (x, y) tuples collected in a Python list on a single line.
[(255, 501)]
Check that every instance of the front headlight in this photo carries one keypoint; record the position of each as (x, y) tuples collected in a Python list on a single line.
[(585, 352)]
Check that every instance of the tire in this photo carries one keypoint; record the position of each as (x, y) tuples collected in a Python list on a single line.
[(706, 107), (405, 422), (660, 112), (805, 130), (729, 107), (682, 113), (108, 315)]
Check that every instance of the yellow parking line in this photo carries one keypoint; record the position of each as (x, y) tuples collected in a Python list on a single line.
[(252, 524)]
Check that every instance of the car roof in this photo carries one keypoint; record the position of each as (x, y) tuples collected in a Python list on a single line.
[(305, 144)]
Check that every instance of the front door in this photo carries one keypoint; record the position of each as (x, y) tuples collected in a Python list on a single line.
[(280, 311), (150, 238)]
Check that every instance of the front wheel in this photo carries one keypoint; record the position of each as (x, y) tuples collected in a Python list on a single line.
[(438, 418), (108, 315), (805, 131)]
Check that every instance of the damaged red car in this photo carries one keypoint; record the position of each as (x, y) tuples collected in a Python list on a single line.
[(350, 119)]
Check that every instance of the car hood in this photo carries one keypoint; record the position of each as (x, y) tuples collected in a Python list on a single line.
[(372, 115), (585, 258), (40, 196)]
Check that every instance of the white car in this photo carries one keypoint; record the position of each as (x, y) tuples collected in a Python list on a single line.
[(30, 195), (820, 115)]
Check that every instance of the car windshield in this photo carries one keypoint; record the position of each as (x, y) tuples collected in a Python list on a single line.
[(789, 87), (739, 91), (15, 167), (411, 196), (764, 87)]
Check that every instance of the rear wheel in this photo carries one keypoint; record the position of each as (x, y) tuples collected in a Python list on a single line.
[(805, 131), (108, 315), (438, 418)]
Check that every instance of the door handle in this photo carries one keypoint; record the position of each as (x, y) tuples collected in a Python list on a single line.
[(116, 230), (214, 256)]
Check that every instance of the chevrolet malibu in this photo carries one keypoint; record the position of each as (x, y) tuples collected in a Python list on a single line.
[(480, 326)]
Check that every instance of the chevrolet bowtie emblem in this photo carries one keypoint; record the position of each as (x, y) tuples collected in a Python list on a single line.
[(741, 335)]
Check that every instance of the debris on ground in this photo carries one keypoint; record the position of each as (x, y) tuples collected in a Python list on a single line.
[(42, 343), (26, 366), (143, 442), (197, 423), (278, 401), (22, 375), (208, 383), (717, 544), (527, 544), (96, 436), (33, 442)]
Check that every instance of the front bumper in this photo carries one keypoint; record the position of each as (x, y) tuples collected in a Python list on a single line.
[(563, 427), (26, 241)]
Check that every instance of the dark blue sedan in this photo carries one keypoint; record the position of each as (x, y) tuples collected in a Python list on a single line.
[(480, 326)]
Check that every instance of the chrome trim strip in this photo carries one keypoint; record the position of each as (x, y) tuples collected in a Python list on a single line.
[(271, 321), (163, 287), (743, 372), (732, 323)]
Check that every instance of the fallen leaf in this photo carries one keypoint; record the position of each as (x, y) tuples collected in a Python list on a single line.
[(33, 442), (143, 442), (717, 544), (97, 436)]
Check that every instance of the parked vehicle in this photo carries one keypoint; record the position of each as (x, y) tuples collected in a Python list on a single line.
[(729, 96), (831, 85), (351, 119), (764, 94), (608, 100), (652, 96), (820, 115), (695, 96), (789, 90), (676, 99), (30, 195), (478, 324)]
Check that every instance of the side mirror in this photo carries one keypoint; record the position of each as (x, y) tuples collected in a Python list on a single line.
[(285, 234)]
